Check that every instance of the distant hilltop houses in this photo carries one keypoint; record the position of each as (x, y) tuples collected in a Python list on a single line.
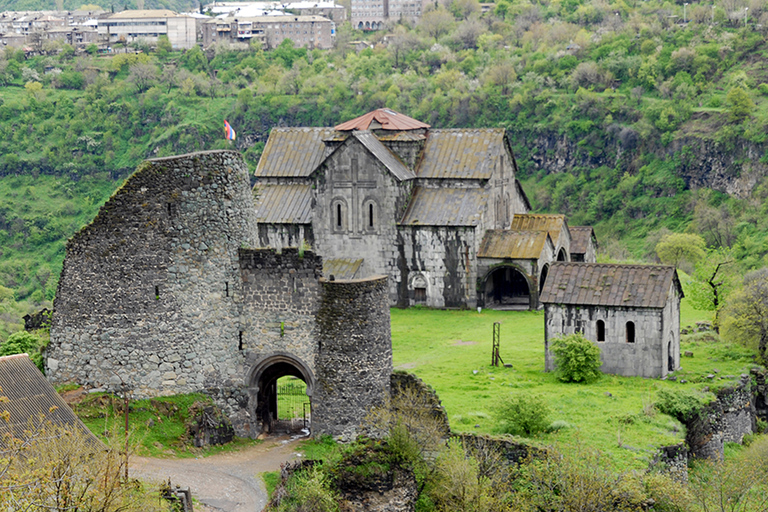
[(266, 24)]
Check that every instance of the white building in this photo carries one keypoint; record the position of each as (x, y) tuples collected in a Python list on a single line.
[(149, 25)]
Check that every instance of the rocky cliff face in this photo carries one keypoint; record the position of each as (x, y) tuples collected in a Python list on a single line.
[(732, 168)]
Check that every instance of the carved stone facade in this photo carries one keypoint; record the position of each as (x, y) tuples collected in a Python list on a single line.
[(387, 194)]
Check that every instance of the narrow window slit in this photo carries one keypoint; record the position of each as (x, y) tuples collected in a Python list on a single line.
[(240, 341), (157, 292), (226, 289)]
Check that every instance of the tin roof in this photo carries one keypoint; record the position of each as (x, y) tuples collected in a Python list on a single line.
[(293, 152), (600, 284), (461, 153), (284, 204), (445, 207), (516, 245), (580, 237), (341, 269), (29, 395), (382, 119), (539, 222), (384, 155)]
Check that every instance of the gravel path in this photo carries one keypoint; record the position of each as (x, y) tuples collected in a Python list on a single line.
[(227, 482)]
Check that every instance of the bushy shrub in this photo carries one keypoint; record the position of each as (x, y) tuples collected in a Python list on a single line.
[(24, 342), (577, 359), (681, 404), (523, 414)]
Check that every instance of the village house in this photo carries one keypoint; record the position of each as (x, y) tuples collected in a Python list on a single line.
[(632, 312), (270, 31), (148, 26)]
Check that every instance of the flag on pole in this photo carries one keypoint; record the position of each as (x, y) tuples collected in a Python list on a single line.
[(229, 133)]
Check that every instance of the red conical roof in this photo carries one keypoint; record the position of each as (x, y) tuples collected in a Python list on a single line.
[(386, 118)]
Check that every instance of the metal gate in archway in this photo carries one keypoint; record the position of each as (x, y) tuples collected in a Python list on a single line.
[(292, 400)]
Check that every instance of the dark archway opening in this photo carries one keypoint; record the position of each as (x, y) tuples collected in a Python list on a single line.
[(670, 358), (543, 277), (507, 288), (279, 405), (561, 255)]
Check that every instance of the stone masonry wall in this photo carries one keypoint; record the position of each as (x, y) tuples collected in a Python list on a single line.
[(281, 296), (149, 290), (354, 360), (726, 420), (443, 258), (643, 358)]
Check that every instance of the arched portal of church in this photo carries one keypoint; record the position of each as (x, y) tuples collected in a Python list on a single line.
[(266, 383), (543, 277), (507, 288), (562, 255)]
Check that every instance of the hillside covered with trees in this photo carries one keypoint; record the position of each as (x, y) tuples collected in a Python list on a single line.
[(640, 118)]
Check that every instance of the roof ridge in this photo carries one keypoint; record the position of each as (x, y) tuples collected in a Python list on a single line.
[(14, 356), (622, 265)]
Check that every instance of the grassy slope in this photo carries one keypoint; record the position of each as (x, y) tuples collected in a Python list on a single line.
[(425, 342)]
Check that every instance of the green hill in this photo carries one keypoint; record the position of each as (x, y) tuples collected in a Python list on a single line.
[(624, 116)]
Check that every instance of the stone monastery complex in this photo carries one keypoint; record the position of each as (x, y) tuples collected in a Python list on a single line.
[(189, 280)]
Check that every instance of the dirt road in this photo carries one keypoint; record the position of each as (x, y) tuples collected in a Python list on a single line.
[(227, 482)]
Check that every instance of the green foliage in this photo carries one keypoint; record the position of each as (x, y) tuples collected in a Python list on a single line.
[(577, 359), (676, 248), (24, 342), (309, 491), (523, 414), (740, 105), (682, 404)]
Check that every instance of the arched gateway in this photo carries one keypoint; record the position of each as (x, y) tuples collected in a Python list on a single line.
[(261, 381), (166, 292)]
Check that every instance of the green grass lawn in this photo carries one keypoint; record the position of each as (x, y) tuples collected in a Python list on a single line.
[(451, 351)]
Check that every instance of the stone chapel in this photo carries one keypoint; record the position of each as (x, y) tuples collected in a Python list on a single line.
[(439, 211)]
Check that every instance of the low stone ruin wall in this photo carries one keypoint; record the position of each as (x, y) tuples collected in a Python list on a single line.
[(726, 420)]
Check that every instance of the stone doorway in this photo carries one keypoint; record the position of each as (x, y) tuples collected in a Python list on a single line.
[(270, 392), (507, 288)]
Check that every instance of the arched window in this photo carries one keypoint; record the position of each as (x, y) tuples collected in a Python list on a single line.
[(369, 215), (600, 330), (630, 332), (338, 215)]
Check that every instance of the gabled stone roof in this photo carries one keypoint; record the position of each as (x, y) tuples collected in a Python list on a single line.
[(599, 284), (384, 155), (553, 224), (31, 397), (516, 245), (293, 152), (580, 236), (462, 153), (284, 204), (445, 207)]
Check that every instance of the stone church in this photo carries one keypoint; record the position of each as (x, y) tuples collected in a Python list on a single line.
[(439, 211)]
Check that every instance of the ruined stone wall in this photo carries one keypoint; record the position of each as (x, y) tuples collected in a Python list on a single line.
[(443, 258), (354, 359), (148, 292), (281, 296), (726, 420), (643, 358)]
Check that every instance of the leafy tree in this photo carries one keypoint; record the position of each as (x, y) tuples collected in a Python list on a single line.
[(436, 23), (740, 105), (523, 414), (676, 248), (714, 280), (747, 312), (577, 359)]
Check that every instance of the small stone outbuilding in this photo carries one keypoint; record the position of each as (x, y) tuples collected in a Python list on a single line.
[(632, 312)]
